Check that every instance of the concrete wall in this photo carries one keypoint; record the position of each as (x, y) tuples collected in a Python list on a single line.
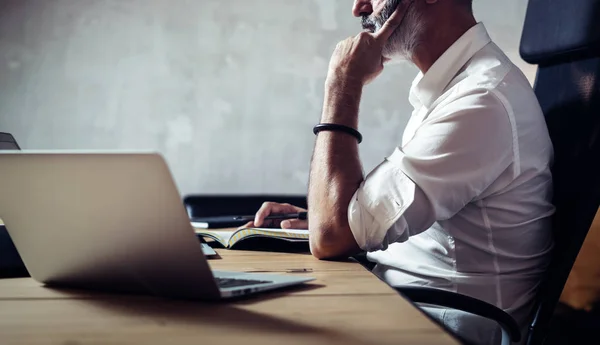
[(227, 90)]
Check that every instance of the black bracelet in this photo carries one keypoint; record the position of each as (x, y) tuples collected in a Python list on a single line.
[(340, 128)]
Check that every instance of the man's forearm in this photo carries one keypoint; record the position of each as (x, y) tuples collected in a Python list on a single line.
[(336, 174)]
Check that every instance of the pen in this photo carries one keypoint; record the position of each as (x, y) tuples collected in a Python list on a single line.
[(282, 216)]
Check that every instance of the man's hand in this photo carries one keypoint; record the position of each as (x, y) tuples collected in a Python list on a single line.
[(269, 208), (359, 60)]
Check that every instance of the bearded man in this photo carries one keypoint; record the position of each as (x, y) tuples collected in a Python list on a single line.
[(464, 202)]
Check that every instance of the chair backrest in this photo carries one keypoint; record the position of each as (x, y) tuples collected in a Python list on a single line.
[(563, 38), (226, 205)]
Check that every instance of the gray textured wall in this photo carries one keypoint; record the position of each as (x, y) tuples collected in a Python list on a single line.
[(227, 90)]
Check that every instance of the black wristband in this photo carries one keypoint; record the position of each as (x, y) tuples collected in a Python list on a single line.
[(339, 128)]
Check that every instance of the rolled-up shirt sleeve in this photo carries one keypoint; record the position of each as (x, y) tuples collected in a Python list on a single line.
[(377, 205), (452, 158)]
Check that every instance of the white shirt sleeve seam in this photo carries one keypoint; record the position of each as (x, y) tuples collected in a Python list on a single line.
[(513, 127)]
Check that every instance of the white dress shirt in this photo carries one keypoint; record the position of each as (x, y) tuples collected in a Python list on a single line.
[(464, 204)]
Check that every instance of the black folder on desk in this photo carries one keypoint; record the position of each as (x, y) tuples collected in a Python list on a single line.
[(218, 222)]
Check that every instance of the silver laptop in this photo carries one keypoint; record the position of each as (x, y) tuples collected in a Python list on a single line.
[(111, 222)]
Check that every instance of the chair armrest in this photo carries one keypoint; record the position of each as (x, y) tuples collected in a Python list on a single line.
[(464, 303)]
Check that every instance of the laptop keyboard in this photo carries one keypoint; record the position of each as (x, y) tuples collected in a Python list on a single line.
[(231, 282)]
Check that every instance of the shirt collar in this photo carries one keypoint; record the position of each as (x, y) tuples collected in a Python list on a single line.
[(429, 87)]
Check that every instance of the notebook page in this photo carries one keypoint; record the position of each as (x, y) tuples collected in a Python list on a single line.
[(282, 233), (222, 236)]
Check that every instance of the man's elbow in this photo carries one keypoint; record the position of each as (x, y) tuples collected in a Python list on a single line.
[(329, 241), (320, 251)]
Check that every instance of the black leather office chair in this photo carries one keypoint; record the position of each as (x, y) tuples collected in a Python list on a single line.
[(563, 38), (226, 205)]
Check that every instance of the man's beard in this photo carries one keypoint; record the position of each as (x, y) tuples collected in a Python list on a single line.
[(405, 39)]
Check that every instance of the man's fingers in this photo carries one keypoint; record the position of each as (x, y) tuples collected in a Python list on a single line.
[(393, 22), (247, 225), (266, 209), (269, 208), (294, 224)]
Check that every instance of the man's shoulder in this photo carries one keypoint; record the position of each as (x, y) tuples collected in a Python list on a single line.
[(490, 79), (492, 69)]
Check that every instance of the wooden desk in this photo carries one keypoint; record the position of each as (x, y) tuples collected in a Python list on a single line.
[(345, 305)]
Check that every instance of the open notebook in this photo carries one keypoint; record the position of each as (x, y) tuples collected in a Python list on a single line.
[(229, 239)]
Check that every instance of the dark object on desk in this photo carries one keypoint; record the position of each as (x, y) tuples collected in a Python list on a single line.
[(279, 216), (209, 205), (236, 221), (218, 222), (11, 265), (563, 37)]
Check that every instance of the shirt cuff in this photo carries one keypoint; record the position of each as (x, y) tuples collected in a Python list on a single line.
[(378, 204)]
